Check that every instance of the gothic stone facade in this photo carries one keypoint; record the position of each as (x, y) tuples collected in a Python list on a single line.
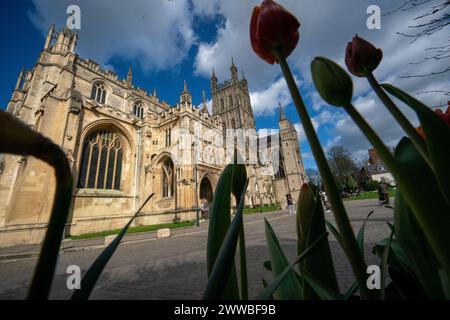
[(119, 141)]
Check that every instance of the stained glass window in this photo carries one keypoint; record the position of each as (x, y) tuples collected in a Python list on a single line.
[(101, 163), (98, 92)]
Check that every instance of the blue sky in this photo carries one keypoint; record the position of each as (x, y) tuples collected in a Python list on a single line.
[(167, 42)]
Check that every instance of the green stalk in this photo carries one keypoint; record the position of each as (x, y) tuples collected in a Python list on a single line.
[(243, 259), (243, 264), (401, 119), (348, 237)]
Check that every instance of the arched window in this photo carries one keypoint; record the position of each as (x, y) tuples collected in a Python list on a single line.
[(138, 110), (98, 92), (167, 179), (101, 163)]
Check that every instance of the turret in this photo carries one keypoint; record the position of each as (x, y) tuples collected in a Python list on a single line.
[(65, 41), (130, 78), (204, 106), (282, 115), (185, 98), (234, 70), (213, 82), (19, 80), (244, 80), (49, 38)]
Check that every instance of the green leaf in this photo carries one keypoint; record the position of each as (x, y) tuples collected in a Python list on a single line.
[(90, 278), (290, 289), (268, 292), (351, 291), (384, 264), (310, 226), (419, 188), (219, 223), (445, 280), (360, 236), (223, 266), (323, 291), (437, 134), (417, 253), (239, 180), (334, 231)]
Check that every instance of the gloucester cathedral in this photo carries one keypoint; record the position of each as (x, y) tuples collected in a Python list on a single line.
[(124, 144)]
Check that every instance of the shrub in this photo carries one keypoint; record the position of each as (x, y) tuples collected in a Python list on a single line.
[(371, 185)]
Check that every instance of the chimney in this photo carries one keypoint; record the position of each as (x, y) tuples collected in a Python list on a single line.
[(373, 157)]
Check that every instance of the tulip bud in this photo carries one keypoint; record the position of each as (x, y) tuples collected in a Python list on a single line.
[(361, 57), (273, 28), (239, 176), (332, 82)]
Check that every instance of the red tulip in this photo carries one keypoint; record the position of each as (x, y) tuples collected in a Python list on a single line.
[(272, 28), (361, 57), (444, 115)]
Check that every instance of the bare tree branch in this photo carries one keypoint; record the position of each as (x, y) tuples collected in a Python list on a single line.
[(426, 75), (435, 19), (445, 93)]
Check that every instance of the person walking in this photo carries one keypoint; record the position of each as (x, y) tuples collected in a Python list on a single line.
[(290, 203), (325, 201), (383, 193)]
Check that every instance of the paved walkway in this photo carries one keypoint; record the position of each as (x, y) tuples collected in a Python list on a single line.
[(175, 267)]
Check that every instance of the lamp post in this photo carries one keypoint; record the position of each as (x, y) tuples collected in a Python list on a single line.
[(196, 194)]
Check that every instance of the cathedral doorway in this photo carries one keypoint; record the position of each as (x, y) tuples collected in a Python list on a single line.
[(206, 196), (206, 191)]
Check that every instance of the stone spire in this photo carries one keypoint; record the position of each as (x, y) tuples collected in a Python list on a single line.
[(204, 106), (282, 115), (49, 38), (19, 80), (234, 71), (185, 98), (130, 78), (213, 82)]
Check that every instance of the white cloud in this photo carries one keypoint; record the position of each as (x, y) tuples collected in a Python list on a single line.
[(266, 102), (301, 132), (264, 132), (156, 33), (160, 34), (325, 31), (233, 41)]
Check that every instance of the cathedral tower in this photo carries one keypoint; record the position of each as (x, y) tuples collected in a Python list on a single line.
[(231, 101), (292, 159)]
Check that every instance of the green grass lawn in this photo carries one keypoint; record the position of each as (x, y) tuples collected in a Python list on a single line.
[(369, 195), (136, 229), (263, 209)]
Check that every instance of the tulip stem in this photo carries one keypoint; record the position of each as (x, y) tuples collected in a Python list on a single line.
[(45, 269), (348, 237), (401, 119)]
